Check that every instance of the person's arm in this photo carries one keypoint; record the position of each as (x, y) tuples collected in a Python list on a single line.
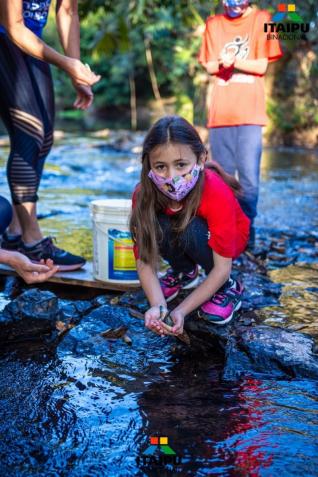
[(68, 27), (212, 67), (219, 274), (256, 67), (151, 286), (208, 55), (11, 17), (30, 272)]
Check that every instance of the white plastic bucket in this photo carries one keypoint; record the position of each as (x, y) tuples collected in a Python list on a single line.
[(114, 259)]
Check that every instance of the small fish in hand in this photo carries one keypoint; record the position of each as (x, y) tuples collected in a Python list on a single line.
[(167, 320)]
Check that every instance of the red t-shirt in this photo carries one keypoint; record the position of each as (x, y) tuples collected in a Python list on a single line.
[(228, 225), (238, 98)]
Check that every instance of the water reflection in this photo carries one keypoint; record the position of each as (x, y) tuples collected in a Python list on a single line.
[(87, 412)]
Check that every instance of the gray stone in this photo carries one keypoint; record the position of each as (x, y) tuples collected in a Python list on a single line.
[(257, 350), (31, 314)]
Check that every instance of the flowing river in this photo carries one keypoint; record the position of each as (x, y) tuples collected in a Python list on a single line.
[(89, 406)]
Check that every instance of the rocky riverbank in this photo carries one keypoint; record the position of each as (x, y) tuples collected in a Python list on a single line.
[(248, 346)]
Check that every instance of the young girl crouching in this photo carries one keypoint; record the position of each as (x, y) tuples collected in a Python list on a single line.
[(186, 212)]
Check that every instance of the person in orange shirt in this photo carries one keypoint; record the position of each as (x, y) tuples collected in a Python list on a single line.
[(236, 50)]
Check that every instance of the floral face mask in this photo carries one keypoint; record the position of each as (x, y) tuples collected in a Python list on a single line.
[(178, 187)]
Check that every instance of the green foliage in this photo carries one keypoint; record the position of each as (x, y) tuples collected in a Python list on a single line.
[(113, 39)]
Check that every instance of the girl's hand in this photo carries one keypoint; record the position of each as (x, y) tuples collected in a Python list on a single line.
[(31, 272), (80, 74), (153, 320), (176, 329), (178, 319)]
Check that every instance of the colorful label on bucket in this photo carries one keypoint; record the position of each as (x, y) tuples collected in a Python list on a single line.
[(121, 259)]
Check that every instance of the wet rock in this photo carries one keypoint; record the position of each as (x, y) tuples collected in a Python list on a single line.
[(88, 339), (250, 263), (248, 319), (31, 314), (270, 351), (73, 311), (98, 321), (137, 299), (257, 350), (32, 303), (102, 300), (13, 287), (35, 313)]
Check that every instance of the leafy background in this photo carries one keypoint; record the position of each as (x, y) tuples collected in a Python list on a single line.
[(146, 52)]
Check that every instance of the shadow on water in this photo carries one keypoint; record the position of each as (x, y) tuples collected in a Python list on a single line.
[(89, 406)]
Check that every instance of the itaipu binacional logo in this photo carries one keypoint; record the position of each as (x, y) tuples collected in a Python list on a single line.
[(292, 29), (159, 452)]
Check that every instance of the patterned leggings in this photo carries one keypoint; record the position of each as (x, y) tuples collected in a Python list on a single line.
[(27, 110)]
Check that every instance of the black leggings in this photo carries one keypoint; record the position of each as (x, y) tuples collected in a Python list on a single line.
[(190, 250), (5, 214), (27, 110)]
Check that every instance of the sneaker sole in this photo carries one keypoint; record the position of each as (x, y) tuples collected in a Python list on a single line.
[(65, 268), (192, 284), (224, 322)]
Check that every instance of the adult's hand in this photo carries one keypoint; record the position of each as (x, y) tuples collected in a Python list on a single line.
[(80, 74), (227, 60), (31, 272), (84, 96)]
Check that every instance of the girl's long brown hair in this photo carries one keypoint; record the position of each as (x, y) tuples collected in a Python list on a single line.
[(144, 225)]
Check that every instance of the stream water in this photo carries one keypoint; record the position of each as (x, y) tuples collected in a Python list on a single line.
[(89, 406)]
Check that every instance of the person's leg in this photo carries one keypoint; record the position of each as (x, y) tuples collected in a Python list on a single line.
[(27, 109), (223, 147), (5, 214), (41, 78), (170, 250), (249, 151), (190, 249), (182, 257), (194, 243)]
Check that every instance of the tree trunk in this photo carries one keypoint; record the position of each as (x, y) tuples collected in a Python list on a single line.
[(133, 101), (152, 74)]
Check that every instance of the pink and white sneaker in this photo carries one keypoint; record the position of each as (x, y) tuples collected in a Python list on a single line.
[(172, 282), (222, 306)]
